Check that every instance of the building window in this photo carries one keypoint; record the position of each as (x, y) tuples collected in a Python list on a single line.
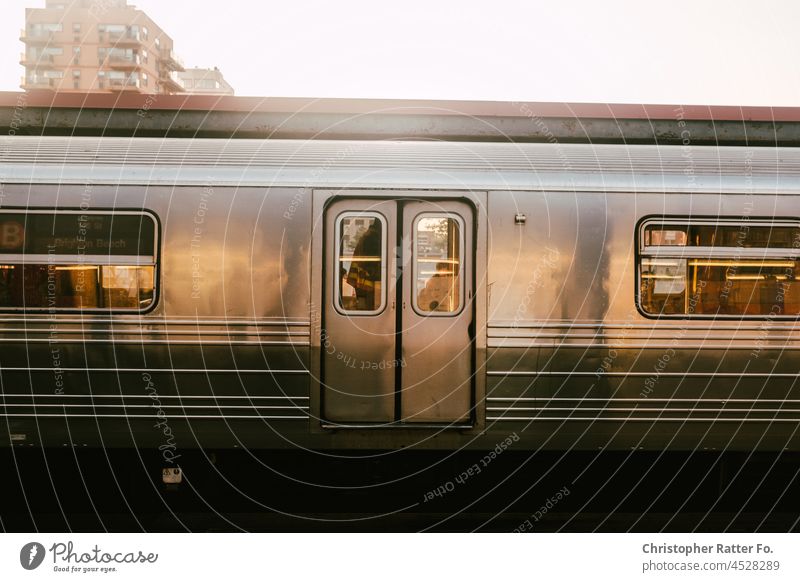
[(76, 74), (73, 260), (41, 28), (76, 54), (158, 44), (145, 33), (144, 56), (76, 27), (725, 268)]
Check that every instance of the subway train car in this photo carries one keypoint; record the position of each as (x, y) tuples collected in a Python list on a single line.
[(380, 294)]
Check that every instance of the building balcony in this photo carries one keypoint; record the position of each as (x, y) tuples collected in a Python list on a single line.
[(40, 37), (124, 84), (34, 83), (27, 60), (171, 83), (171, 61), (124, 38), (123, 63)]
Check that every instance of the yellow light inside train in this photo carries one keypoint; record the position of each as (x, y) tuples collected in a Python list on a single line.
[(76, 268), (711, 263), (659, 263)]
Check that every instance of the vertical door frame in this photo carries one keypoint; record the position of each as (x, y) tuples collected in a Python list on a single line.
[(321, 199)]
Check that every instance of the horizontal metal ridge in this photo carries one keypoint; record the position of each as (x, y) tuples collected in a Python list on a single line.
[(150, 341), (731, 346), (526, 373), (637, 419), (662, 410), (158, 332), (148, 397), (161, 407), (395, 426), (246, 153), (150, 416), (715, 400), (654, 335), (149, 321), (689, 325), (156, 370)]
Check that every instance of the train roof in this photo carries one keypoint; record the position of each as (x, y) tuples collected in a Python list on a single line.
[(399, 165), (201, 116)]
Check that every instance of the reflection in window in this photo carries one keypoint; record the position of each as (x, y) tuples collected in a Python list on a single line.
[(663, 286), (742, 270), (51, 286), (127, 286), (74, 260), (361, 265), (437, 244), (721, 235)]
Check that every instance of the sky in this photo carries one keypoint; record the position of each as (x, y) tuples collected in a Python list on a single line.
[(705, 52)]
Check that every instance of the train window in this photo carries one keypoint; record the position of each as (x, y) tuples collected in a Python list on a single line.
[(719, 268), (767, 236), (72, 260), (438, 248), (361, 253)]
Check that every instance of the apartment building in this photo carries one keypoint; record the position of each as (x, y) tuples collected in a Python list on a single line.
[(97, 46), (204, 81)]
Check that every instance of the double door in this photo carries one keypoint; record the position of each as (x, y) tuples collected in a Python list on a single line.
[(397, 323)]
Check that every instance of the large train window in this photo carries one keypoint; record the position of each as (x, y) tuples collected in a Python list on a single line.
[(719, 268), (361, 257), (73, 260), (438, 248)]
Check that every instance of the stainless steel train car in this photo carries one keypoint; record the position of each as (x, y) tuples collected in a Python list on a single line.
[(215, 293)]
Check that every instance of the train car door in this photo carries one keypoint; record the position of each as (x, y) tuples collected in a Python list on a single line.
[(397, 329)]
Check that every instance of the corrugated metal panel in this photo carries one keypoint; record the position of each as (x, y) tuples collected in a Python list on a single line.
[(437, 156)]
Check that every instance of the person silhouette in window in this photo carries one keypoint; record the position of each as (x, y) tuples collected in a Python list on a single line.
[(441, 291), (365, 269)]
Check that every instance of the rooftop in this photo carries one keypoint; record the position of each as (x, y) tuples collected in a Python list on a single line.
[(48, 113)]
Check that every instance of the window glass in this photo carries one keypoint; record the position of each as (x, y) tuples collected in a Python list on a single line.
[(74, 260), (663, 285), (437, 251), (740, 270), (361, 243), (721, 235)]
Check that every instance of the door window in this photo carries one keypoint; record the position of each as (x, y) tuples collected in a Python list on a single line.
[(361, 260), (438, 248)]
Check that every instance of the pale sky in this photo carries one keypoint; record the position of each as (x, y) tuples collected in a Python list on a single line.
[(683, 51)]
